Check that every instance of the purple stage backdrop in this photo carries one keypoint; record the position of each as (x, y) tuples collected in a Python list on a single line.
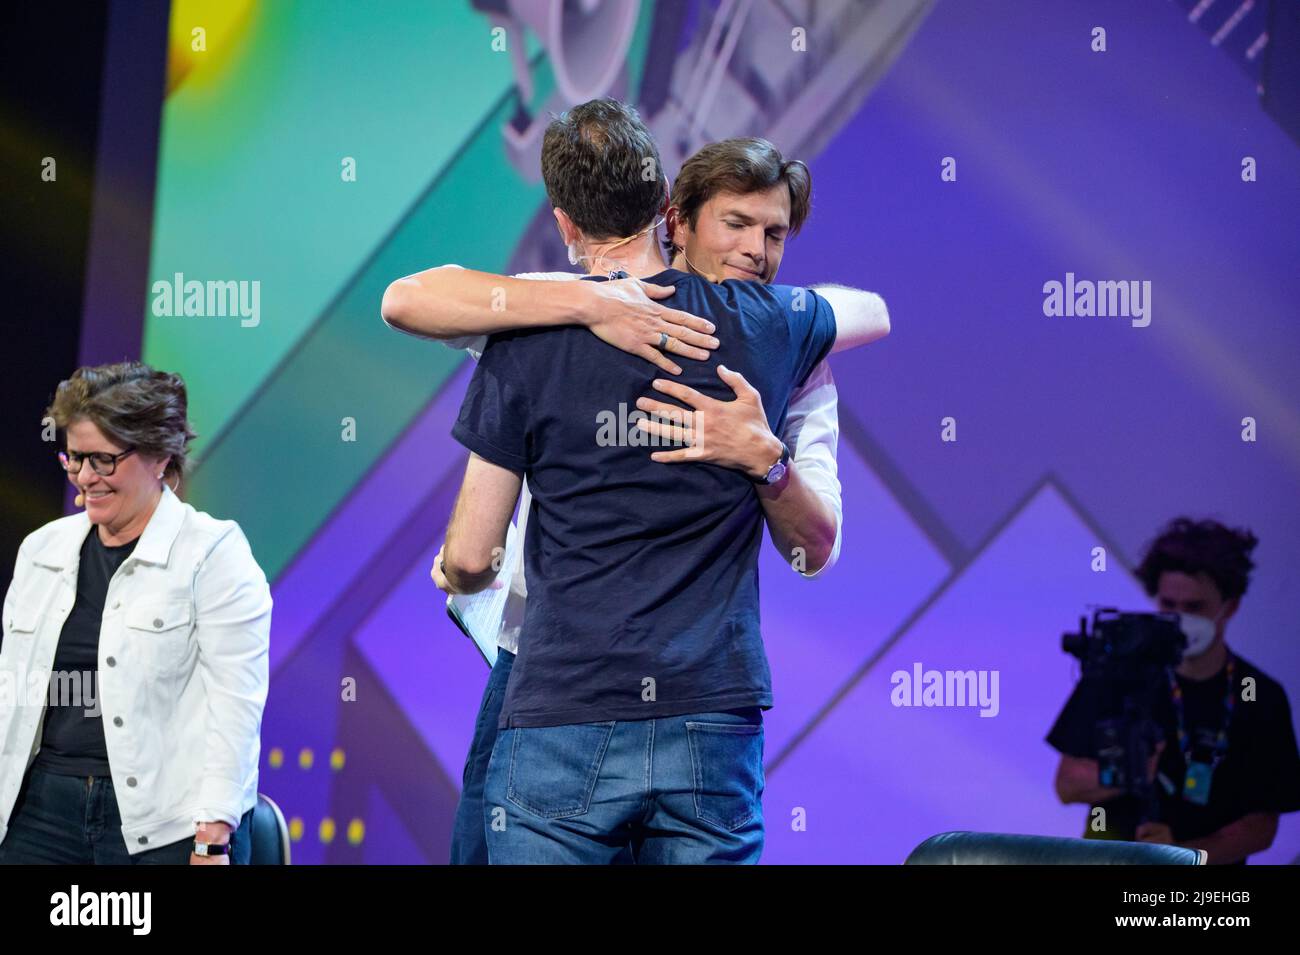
[(976, 554)]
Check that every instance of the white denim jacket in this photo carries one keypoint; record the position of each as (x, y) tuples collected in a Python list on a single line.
[(183, 668)]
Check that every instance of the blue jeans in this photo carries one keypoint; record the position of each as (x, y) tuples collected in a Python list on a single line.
[(678, 789), (74, 820), (468, 845)]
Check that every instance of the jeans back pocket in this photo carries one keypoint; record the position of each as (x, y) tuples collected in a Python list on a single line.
[(553, 769), (727, 762)]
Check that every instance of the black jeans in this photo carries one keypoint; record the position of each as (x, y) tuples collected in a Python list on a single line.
[(74, 820)]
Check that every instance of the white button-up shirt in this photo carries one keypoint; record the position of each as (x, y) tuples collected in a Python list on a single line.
[(812, 430), (183, 668)]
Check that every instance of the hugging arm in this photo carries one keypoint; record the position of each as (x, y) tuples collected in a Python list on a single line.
[(803, 509), (860, 317), (476, 537), (805, 516), (453, 304)]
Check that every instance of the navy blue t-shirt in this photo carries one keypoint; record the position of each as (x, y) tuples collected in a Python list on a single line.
[(642, 577)]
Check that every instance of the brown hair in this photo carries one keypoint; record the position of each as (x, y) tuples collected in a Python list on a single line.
[(134, 406), (1193, 547), (741, 166), (601, 166)]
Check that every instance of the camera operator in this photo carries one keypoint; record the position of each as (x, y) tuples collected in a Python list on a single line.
[(1228, 764)]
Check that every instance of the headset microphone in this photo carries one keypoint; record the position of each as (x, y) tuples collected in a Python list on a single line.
[(707, 276)]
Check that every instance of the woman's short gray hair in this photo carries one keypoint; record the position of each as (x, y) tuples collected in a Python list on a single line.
[(133, 405)]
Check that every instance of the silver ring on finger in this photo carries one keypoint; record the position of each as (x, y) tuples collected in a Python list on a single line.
[(663, 341)]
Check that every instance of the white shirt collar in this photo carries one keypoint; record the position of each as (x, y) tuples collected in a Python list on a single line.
[(154, 547)]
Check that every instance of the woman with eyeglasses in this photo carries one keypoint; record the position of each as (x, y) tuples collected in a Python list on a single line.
[(133, 671)]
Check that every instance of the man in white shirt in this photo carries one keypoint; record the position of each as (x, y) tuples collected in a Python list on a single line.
[(721, 226)]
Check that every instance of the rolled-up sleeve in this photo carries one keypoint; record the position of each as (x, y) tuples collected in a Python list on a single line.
[(233, 629), (812, 431)]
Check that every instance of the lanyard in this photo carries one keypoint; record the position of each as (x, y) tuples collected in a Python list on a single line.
[(1221, 740)]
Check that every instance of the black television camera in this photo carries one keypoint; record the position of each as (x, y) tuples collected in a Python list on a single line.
[(1130, 654)]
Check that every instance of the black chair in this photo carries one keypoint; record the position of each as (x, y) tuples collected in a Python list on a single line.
[(997, 848), (270, 833)]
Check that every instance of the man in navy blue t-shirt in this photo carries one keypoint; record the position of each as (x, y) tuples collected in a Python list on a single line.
[(636, 572), (643, 582), (633, 713)]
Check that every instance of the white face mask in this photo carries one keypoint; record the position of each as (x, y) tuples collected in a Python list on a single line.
[(1199, 631)]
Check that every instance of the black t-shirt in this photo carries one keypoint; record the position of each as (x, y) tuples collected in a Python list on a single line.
[(637, 571), (72, 743), (1259, 772)]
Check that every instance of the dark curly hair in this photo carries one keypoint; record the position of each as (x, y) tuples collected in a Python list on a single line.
[(1193, 547), (133, 405)]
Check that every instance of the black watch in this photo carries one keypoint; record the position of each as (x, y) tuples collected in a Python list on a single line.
[(776, 473), (212, 848)]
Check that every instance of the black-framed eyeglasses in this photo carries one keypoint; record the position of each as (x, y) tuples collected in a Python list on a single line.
[(101, 462)]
